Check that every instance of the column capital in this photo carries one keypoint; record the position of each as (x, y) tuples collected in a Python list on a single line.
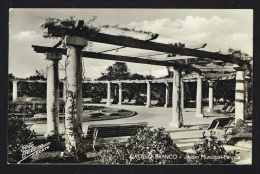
[(75, 41), (177, 68), (211, 83), (53, 56), (148, 81), (199, 76)]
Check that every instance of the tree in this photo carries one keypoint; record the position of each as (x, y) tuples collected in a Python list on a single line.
[(240, 55), (39, 75), (149, 77), (136, 76), (118, 71), (10, 76)]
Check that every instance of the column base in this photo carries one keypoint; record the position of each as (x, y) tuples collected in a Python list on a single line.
[(199, 115), (210, 110), (119, 103), (148, 106), (175, 125), (166, 105), (108, 104)]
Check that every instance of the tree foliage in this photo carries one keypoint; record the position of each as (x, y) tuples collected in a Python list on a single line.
[(39, 75), (118, 71), (33, 89), (10, 76)]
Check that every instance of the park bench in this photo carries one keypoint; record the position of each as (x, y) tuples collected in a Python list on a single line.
[(125, 101), (132, 102), (87, 100), (112, 130), (104, 100), (28, 125), (223, 109), (221, 123), (231, 110), (226, 110), (154, 102)]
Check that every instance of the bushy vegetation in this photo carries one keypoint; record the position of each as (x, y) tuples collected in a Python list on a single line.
[(146, 147), (18, 135), (211, 151), (156, 147)]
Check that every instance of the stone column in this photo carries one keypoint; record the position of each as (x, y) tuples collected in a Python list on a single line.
[(148, 102), (182, 95), (52, 94), (64, 90), (73, 107), (199, 98), (240, 95), (108, 93), (211, 97), (120, 93), (15, 90), (166, 95), (176, 122)]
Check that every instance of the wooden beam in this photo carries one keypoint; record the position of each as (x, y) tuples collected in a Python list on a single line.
[(175, 58), (197, 46), (209, 68), (127, 59), (40, 49), (29, 81), (209, 76), (43, 49), (135, 43)]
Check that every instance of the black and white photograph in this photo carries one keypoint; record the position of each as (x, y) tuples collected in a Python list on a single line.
[(130, 86)]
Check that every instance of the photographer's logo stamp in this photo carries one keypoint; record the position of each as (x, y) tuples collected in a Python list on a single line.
[(29, 149)]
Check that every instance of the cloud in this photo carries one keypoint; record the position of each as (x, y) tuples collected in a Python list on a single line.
[(159, 73), (26, 36), (156, 73), (217, 32)]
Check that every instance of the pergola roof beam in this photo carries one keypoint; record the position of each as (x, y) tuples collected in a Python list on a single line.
[(197, 46), (28, 80), (41, 49), (175, 58), (136, 43)]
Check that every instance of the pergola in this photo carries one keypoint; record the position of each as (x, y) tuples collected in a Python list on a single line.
[(210, 77), (77, 41)]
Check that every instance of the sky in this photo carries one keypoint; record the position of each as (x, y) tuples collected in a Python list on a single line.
[(221, 29)]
